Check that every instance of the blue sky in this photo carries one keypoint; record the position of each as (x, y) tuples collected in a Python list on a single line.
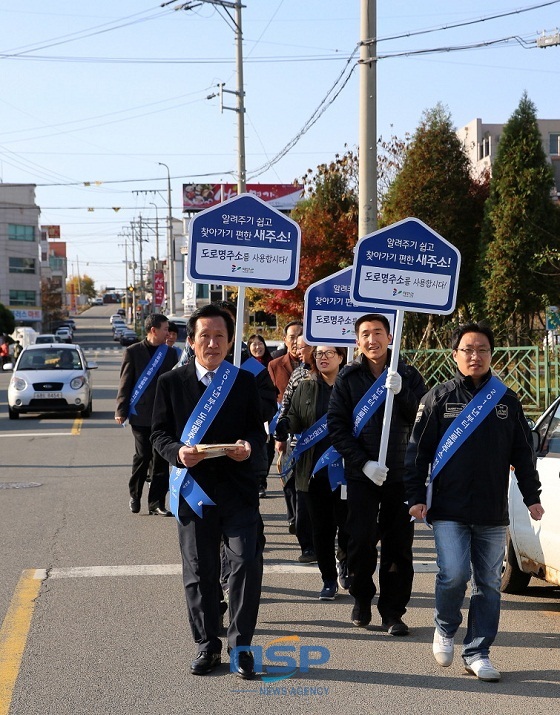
[(102, 92)]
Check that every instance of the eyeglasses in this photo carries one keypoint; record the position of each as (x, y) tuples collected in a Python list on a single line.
[(325, 353), (469, 352)]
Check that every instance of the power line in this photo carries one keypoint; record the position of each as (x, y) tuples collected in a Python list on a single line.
[(464, 23)]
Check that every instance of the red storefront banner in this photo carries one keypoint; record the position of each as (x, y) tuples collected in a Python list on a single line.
[(283, 197), (159, 288)]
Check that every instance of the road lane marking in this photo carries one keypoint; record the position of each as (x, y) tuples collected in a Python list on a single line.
[(77, 426), (175, 570), (36, 434), (14, 630)]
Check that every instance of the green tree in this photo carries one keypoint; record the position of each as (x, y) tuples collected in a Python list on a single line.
[(7, 320), (520, 228), (436, 186)]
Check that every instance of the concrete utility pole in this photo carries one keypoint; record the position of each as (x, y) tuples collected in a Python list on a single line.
[(157, 234), (170, 248), (367, 178)]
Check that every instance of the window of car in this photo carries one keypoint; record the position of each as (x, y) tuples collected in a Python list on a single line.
[(549, 435), (50, 359)]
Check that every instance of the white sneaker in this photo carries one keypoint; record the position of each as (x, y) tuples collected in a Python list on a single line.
[(442, 649), (484, 670)]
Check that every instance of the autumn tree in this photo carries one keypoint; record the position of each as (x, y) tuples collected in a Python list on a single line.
[(82, 285), (520, 228), (328, 218)]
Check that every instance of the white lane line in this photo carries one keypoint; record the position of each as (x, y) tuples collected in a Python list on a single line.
[(175, 570)]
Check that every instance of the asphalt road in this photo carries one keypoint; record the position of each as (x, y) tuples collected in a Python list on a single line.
[(93, 614)]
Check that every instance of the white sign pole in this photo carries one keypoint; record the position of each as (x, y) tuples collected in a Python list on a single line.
[(239, 326), (390, 395)]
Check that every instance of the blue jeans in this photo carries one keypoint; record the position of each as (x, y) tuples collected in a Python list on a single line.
[(458, 547)]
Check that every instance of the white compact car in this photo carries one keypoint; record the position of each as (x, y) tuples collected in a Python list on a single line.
[(533, 547), (51, 378)]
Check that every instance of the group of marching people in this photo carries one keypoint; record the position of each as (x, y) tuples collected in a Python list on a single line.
[(446, 460)]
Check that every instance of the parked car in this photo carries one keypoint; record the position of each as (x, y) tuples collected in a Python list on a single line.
[(114, 317), (118, 330), (65, 335), (51, 378), (47, 338), (121, 312), (128, 337), (533, 547)]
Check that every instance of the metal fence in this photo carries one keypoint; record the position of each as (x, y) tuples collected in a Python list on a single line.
[(530, 371)]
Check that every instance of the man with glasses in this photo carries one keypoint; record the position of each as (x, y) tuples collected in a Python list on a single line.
[(468, 432)]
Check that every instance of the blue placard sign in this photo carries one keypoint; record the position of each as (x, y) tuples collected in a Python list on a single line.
[(329, 314), (244, 241), (406, 266)]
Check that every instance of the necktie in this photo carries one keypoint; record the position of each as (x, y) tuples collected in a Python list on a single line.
[(208, 378)]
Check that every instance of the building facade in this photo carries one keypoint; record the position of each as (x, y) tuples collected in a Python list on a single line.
[(480, 142), (20, 270)]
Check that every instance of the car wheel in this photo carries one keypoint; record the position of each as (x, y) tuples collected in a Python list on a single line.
[(87, 412), (514, 580), (12, 414)]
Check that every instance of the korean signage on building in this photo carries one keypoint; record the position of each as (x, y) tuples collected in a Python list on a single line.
[(283, 197)]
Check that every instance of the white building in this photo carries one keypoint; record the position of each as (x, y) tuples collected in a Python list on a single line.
[(481, 140), (20, 276)]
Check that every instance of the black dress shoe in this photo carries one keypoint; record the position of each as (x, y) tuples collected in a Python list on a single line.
[(244, 665), (205, 662), (395, 627), (134, 505), (158, 511)]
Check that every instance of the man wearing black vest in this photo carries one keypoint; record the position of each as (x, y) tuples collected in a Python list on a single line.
[(135, 385), (468, 432), (229, 481)]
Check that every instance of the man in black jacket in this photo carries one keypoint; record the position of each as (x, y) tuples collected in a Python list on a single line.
[(230, 481), (141, 389), (376, 509), (467, 434)]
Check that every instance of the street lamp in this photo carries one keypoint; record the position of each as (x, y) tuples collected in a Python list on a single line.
[(170, 247)]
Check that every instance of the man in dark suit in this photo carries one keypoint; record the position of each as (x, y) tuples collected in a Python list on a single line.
[(153, 357), (229, 481)]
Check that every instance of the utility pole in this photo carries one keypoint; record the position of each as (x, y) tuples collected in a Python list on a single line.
[(367, 177), (235, 5), (170, 248), (157, 234), (126, 295)]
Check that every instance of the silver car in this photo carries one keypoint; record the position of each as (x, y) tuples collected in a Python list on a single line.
[(51, 378)]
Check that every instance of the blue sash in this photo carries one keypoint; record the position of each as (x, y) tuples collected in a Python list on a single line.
[(253, 366), (307, 439), (206, 409), (147, 376), (363, 412), (470, 417), (274, 421)]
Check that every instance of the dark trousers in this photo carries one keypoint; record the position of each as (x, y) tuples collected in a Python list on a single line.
[(328, 513), (240, 526), (380, 514), (147, 461)]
